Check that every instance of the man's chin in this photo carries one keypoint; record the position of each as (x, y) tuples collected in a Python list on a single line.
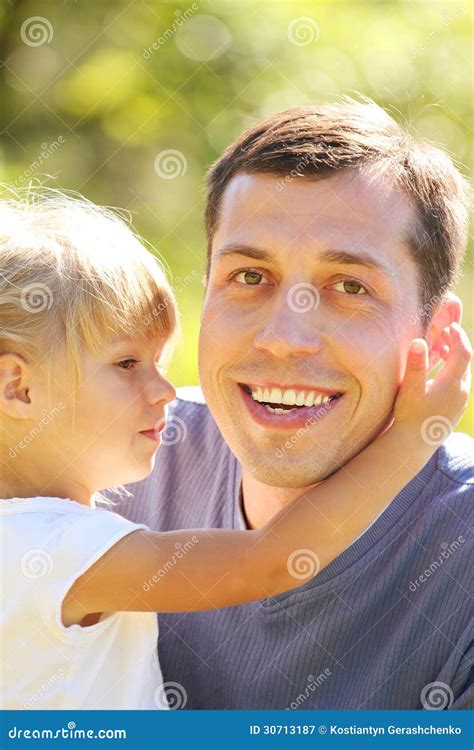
[(286, 472)]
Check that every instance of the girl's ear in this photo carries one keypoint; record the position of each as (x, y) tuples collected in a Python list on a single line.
[(448, 311), (16, 377)]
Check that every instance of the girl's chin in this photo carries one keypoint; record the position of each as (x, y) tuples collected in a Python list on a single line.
[(136, 474)]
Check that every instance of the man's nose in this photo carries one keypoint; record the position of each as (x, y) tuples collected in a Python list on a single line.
[(292, 325)]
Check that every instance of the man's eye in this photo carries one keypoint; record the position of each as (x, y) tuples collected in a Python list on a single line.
[(352, 287), (126, 364), (250, 278)]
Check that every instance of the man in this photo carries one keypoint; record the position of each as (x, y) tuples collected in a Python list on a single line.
[(334, 239)]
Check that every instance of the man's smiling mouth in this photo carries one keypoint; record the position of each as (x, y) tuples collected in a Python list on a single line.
[(279, 400)]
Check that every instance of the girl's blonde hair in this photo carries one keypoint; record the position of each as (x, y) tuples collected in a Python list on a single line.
[(74, 275)]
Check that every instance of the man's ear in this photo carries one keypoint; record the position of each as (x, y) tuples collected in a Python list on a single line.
[(448, 311), (15, 384)]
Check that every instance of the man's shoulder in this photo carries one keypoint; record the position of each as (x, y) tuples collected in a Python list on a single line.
[(455, 459), (452, 484)]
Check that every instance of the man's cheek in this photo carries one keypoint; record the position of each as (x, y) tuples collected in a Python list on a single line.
[(225, 329), (216, 317), (375, 367), (372, 343)]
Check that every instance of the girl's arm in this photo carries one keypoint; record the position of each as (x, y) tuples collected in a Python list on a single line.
[(205, 569)]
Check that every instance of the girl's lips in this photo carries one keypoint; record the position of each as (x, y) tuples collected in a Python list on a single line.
[(153, 434), (292, 419)]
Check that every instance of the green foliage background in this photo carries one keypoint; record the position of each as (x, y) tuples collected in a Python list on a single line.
[(116, 83)]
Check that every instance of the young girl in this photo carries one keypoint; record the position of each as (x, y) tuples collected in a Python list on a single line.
[(87, 319)]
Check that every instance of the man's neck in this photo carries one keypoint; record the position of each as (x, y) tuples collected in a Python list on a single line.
[(261, 501)]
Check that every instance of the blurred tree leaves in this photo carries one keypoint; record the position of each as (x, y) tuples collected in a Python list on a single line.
[(121, 82)]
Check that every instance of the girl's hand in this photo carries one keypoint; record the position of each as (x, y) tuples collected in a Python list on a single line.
[(434, 407)]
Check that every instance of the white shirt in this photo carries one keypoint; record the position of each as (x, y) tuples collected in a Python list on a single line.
[(45, 545)]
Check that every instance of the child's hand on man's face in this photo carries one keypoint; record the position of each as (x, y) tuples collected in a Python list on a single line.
[(429, 406)]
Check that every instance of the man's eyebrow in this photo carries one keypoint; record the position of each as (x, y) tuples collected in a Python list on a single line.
[(360, 258), (247, 250), (340, 257)]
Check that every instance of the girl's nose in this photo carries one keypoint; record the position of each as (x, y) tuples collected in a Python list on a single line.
[(163, 390), (170, 391)]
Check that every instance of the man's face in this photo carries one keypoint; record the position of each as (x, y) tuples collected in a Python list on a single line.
[(309, 297)]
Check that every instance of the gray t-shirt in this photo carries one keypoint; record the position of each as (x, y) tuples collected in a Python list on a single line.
[(387, 625)]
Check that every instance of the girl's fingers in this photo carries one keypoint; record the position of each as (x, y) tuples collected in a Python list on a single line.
[(447, 343), (458, 357), (444, 353), (414, 380)]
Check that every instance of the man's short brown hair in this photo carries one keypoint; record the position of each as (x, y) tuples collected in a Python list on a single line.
[(317, 141)]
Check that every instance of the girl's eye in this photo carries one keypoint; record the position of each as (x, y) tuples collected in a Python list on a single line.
[(352, 287), (126, 364), (251, 278)]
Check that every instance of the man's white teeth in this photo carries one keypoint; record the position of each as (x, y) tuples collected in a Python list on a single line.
[(288, 397), (276, 410)]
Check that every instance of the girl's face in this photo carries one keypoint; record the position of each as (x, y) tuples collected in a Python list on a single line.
[(119, 411)]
